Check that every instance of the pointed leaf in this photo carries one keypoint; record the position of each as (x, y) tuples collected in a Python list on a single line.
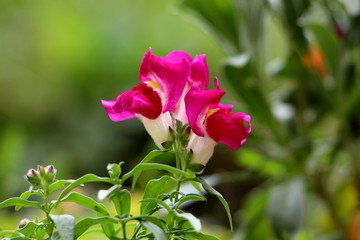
[(153, 189), (122, 201), (83, 225), (212, 191), (19, 202), (85, 202), (138, 169), (157, 231), (194, 222), (84, 179)]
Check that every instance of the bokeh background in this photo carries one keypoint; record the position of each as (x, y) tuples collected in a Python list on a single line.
[(293, 65)]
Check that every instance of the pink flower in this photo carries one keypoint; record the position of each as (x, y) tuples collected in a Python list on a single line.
[(212, 123), (163, 80), (175, 86)]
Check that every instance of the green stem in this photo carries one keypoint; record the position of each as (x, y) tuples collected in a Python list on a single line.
[(124, 230), (47, 212)]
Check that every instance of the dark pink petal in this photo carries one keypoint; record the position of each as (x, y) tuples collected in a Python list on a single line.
[(199, 76), (230, 129), (216, 84), (197, 104), (141, 100), (170, 73)]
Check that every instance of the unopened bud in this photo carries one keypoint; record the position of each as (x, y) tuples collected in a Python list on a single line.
[(49, 173), (32, 177), (23, 222), (41, 177)]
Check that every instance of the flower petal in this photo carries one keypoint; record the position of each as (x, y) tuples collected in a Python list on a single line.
[(197, 104), (199, 76), (170, 73), (158, 128), (222, 126), (202, 148), (141, 100)]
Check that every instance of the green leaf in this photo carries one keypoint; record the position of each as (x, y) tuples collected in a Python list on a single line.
[(221, 17), (29, 229), (122, 201), (329, 45), (26, 195), (190, 197), (239, 72), (65, 224), (58, 184), (156, 230), (84, 179), (158, 156), (138, 169), (212, 191), (85, 202), (156, 201), (258, 162), (82, 226), (194, 222), (153, 189), (200, 236), (12, 233), (286, 208), (19, 202), (196, 167)]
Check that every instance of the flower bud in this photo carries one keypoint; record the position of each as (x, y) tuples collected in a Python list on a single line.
[(23, 222), (49, 173), (42, 176), (32, 177)]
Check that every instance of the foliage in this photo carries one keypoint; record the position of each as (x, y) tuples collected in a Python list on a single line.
[(160, 218), (296, 69)]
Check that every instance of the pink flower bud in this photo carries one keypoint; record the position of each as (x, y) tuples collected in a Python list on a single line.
[(23, 222)]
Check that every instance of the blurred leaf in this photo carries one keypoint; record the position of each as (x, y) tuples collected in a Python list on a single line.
[(194, 222), (84, 179), (286, 208), (85, 202), (200, 236), (17, 201), (256, 161), (329, 45), (212, 191), (158, 156), (83, 225), (65, 224), (238, 71), (12, 233), (122, 201), (153, 189), (157, 231), (220, 16)]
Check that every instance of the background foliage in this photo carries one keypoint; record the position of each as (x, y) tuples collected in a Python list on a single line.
[(293, 65)]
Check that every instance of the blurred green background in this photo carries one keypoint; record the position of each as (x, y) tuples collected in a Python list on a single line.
[(293, 65)]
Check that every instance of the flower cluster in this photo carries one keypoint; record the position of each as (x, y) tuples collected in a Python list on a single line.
[(176, 87), (42, 176)]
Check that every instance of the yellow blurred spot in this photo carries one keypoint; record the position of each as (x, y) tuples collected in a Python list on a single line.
[(153, 85), (211, 111)]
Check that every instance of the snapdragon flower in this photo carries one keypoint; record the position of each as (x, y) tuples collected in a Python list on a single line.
[(175, 87)]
